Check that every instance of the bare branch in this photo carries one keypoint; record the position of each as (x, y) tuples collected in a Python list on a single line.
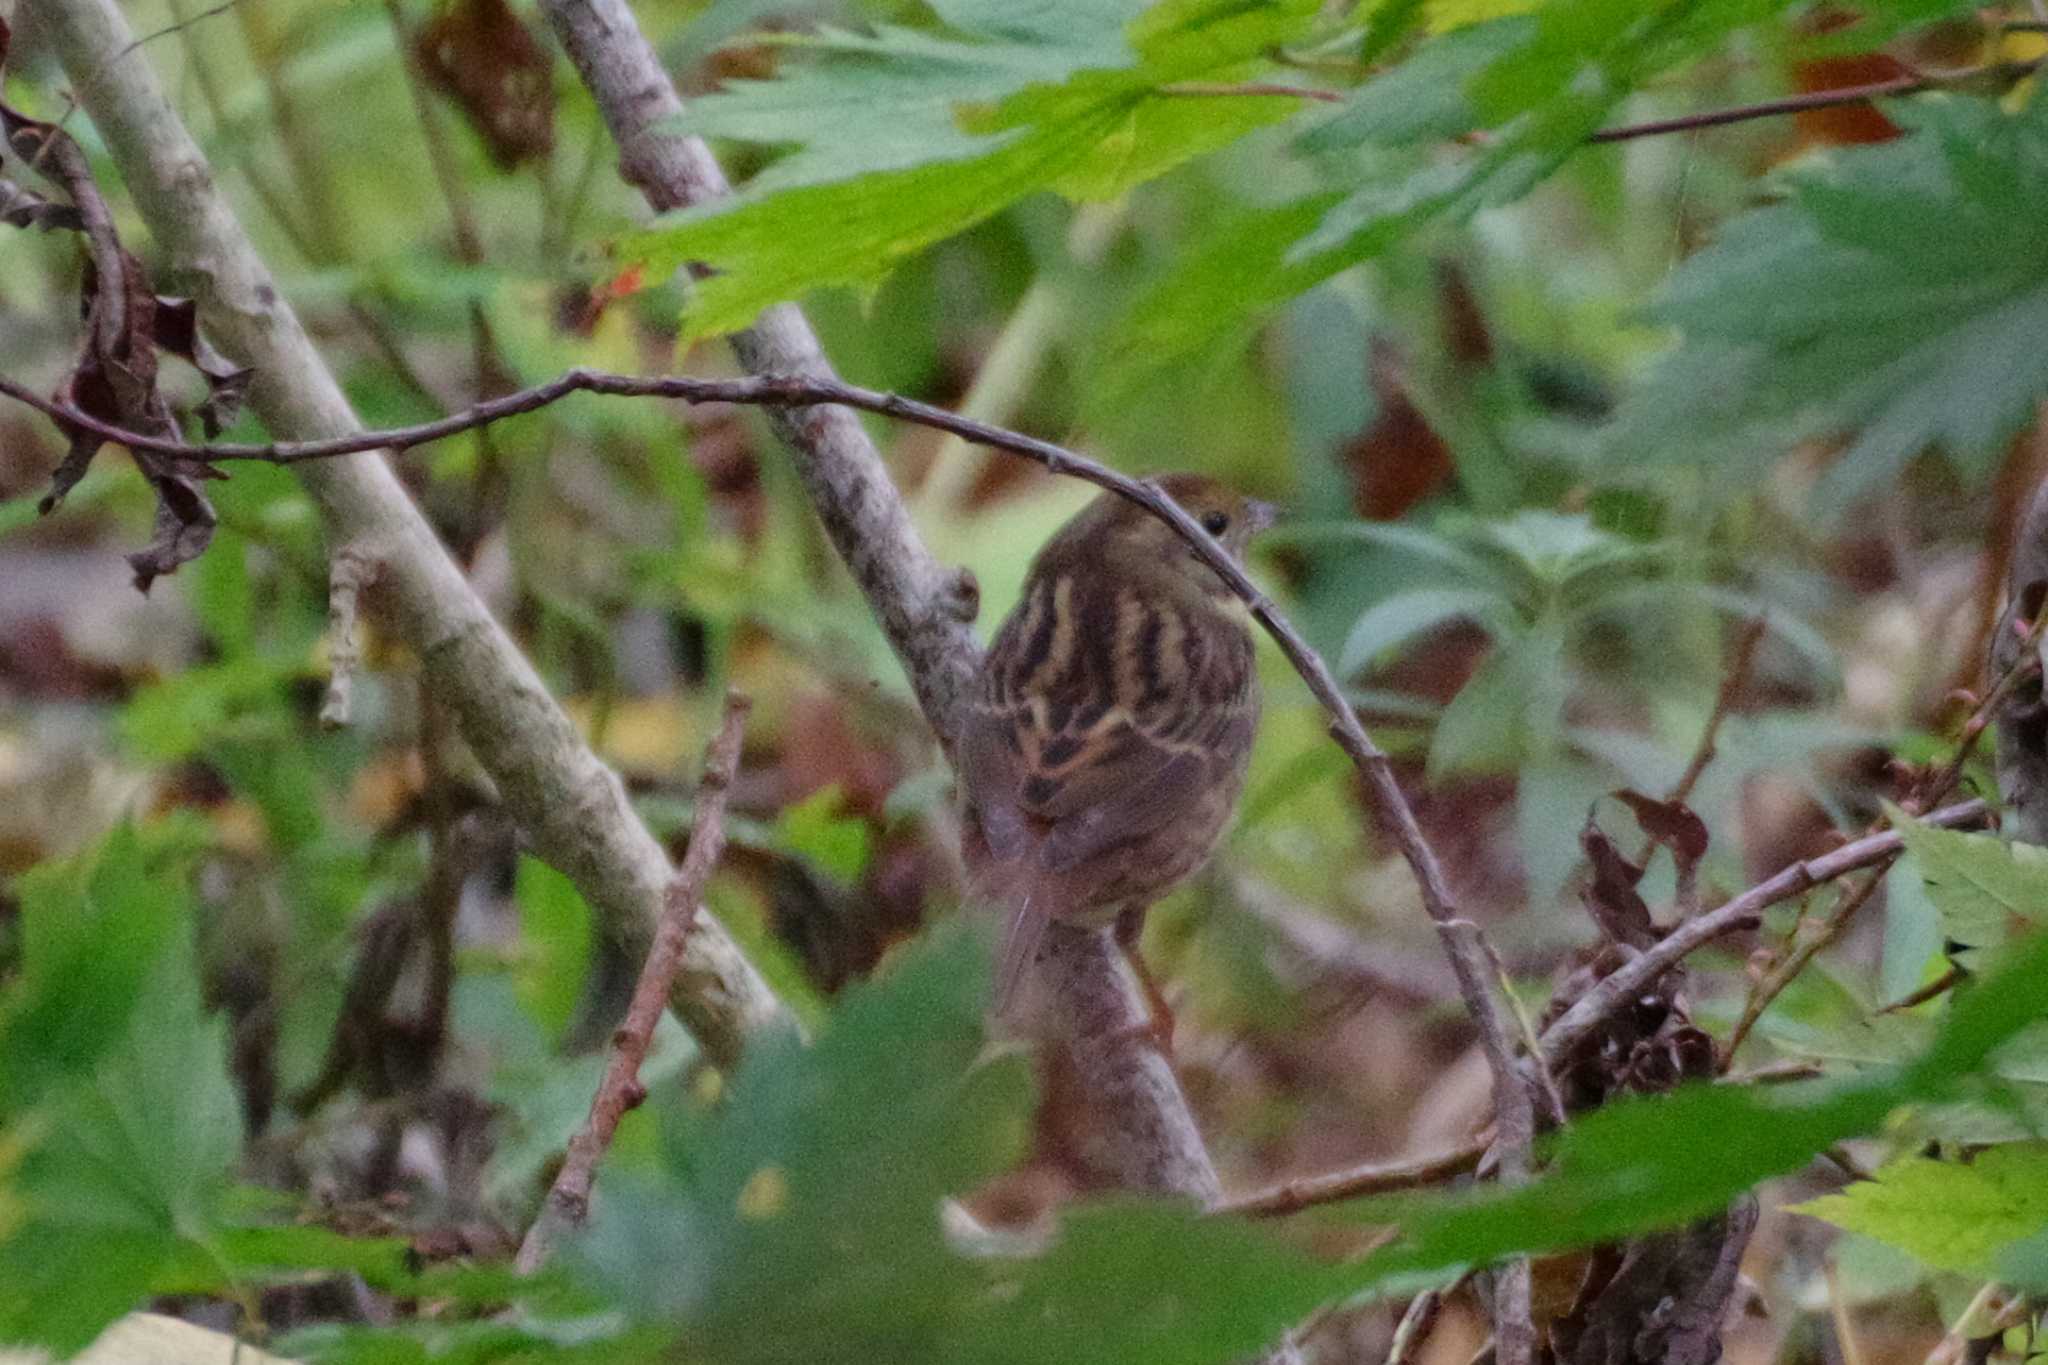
[(1353, 1182), (567, 1205), (1292, 1196), (1999, 75), (1941, 985), (1255, 89)]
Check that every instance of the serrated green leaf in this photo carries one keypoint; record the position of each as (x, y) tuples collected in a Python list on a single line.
[(1423, 97), (961, 141), (1954, 1215), (146, 1143), (1981, 885), (1449, 190), (777, 246), (818, 1185), (1903, 295), (93, 929), (134, 1156), (887, 99), (1219, 289), (1155, 135)]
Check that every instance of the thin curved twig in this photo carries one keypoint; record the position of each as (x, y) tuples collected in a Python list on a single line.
[(2003, 74)]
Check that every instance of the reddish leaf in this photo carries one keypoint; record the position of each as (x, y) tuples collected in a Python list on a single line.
[(1670, 823), (1845, 125), (1399, 460), (23, 209), (116, 375), (1611, 897)]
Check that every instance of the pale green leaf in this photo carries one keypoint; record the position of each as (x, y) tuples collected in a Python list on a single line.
[(1954, 1215), (915, 137), (1981, 885)]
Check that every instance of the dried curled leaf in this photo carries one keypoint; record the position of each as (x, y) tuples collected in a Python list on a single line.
[(115, 378), (483, 58), (1610, 897), (177, 331), (1670, 823), (25, 209)]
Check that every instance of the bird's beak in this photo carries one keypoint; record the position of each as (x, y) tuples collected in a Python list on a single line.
[(1263, 515)]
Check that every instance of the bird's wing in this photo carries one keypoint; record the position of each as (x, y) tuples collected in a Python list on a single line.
[(1084, 738), (1101, 718)]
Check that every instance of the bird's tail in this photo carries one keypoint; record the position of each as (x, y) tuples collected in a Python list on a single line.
[(1023, 930)]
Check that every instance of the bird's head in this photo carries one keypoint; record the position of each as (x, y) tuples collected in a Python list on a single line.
[(1121, 537)]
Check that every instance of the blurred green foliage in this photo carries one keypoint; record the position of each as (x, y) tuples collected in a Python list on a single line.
[(1551, 419)]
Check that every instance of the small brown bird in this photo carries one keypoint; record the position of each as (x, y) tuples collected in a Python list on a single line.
[(1106, 744)]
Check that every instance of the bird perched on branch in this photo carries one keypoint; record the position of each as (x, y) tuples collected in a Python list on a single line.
[(1106, 743)]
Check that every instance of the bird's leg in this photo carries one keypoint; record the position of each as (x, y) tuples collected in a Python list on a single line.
[(1130, 923)]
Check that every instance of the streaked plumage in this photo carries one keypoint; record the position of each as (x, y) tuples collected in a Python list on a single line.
[(1106, 745)]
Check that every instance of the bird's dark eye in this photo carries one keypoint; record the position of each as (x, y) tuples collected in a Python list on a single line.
[(1216, 523)]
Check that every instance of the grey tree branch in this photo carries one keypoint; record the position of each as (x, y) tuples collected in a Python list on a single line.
[(570, 804)]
